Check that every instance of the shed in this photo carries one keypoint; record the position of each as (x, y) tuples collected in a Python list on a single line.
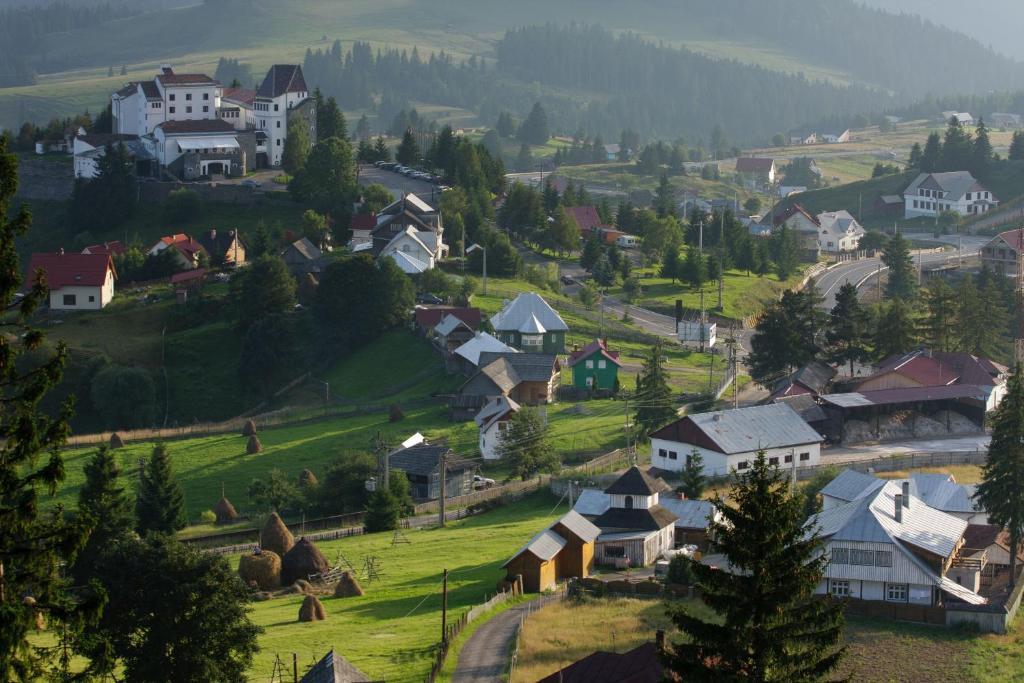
[(535, 561), (577, 557), (334, 668)]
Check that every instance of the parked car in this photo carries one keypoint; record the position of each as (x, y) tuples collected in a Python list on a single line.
[(482, 482), (428, 298), (566, 280), (251, 183)]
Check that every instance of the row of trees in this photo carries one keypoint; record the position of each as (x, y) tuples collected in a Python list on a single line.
[(956, 150)]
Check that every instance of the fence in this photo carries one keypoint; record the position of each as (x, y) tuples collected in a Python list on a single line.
[(455, 628), (510, 491), (246, 537), (530, 607)]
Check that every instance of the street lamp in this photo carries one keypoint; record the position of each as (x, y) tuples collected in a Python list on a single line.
[(473, 248)]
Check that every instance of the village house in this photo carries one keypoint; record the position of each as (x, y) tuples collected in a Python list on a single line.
[(1002, 252), (813, 379), (491, 422), (838, 232), (282, 96), (225, 247), (990, 545), (237, 107), (421, 463), (962, 117), (728, 440), (836, 136), (89, 148), (407, 212), (1005, 121), (113, 248), (585, 217), (451, 333), (804, 226), (302, 256), (931, 194), (803, 137), (427, 317), (888, 205), (635, 529), (529, 324), (938, 491), (694, 517), (527, 378), (890, 546), (193, 149), (563, 550), (77, 282), (756, 171), (413, 251), (926, 368), (139, 107), (188, 252), (642, 664), (594, 367), (334, 668)]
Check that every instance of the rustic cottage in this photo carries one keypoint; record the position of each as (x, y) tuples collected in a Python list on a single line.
[(563, 550), (595, 367)]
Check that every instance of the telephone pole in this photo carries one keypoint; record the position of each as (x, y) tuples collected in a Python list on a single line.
[(444, 609), (721, 259), (442, 467), (1018, 346)]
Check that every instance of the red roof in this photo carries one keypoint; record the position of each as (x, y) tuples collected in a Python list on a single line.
[(168, 77), (199, 126), (114, 248), (427, 317), (585, 216), (941, 368), (70, 270), (1012, 238), (754, 165), (243, 95), (598, 346), (789, 212), (364, 221), (188, 276)]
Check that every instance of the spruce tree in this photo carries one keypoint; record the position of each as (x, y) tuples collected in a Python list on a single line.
[(784, 253), (895, 332), (785, 338), (408, 152), (692, 480), (846, 334), (939, 327), (381, 151), (957, 148), (1016, 152), (534, 130), (902, 278), (524, 161), (1001, 491), (103, 505), (655, 407), (930, 155), (770, 626), (31, 465), (694, 268), (525, 446), (914, 161), (982, 152), (671, 267), (160, 502), (983, 317), (664, 198)]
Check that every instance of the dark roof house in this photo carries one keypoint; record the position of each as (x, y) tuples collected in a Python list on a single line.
[(334, 668), (281, 79), (639, 665)]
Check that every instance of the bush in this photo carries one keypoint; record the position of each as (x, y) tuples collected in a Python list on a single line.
[(207, 517), (395, 413), (182, 206), (124, 397), (680, 571)]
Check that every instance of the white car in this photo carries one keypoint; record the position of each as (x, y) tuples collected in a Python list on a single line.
[(482, 482)]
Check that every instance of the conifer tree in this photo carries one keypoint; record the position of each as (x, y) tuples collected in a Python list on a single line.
[(160, 503), (664, 198), (296, 146), (103, 505), (408, 152), (939, 327), (31, 543), (983, 316), (692, 479), (524, 161), (982, 152), (770, 626), (957, 148), (534, 130), (694, 268), (525, 445), (847, 335), (671, 267), (381, 151), (655, 407), (784, 252), (902, 279), (1001, 491), (931, 153), (914, 161), (895, 331), (1016, 152)]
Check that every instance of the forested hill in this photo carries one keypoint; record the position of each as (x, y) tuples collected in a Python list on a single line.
[(592, 80)]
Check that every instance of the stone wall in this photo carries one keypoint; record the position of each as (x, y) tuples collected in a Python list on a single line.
[(50, 178)]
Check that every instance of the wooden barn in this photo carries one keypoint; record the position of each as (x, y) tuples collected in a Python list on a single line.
[(563, 550)]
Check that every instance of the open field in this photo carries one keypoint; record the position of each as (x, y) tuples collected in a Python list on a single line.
[(877, 650), (390, 632)]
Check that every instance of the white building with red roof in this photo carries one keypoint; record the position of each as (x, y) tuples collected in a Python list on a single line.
[(139, 107), (77, 282), (1002, 252), (282, 94)]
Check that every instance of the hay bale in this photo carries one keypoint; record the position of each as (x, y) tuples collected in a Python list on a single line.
[(301, 561), (249, 429), (308, 480), (303, 586), (276, 537), (225, 511), (348, 587), (263, 570), (312, 609), (116, 441), (262, 596), (253, 446)]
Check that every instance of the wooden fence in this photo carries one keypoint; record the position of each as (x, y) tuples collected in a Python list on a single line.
[(455, 628)]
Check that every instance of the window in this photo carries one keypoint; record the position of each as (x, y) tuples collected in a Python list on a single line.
[(804, 457), (171, 98), (279, 142), (188, 97), (172, 110), (629, 502), (206, 95), (277, 107), (278, 124), (840, 589), (205, 108), (70, 300), (662, 453), (883, 558), (602, 364), (92, 299), (773, 461), (968, 196), (862, 557), (590, 365), (896, 592), (840, 556), (742, 465), (188, 110), (614, 551), (789, 458), (672, 455)]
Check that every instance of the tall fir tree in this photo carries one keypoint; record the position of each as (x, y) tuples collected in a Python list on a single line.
[(380, 149), (694, 268), (655, 407), (981, 154), (930, 155), (525, 446), (671, 266), (902, 278), (939, 327), (330, 121), (983, 317), (957, 148), (785, 338), (784, 252), (914, 160), (1001, 491), (895, 331), (31, 466), (534, 130), (664, 198), (769, 625), (408, 152), (103, 505), (1016, 152), (692, 481), (847, 334), (160, 502)]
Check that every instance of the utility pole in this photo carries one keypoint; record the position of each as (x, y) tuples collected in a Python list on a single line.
[(295, 667), (442, 467), (626, 425), (721, 260), (444, 609), (919, 267), (1018, 346), (700, 323), (878, 280)]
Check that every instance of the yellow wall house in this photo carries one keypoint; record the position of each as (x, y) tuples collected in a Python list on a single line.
[(563, 550)]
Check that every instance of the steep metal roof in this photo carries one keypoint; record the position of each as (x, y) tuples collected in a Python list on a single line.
[(941, 492), (633, 482), (579, 525), (851, 485), (742, 430), (281, 79), (449, 323), (544, 546), (482, 342), (518, 311), (334, 668), (592, 502), (692, 514), (532, 326)]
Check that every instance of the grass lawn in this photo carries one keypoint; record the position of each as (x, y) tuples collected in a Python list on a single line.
[(964, 474), (390, 632)]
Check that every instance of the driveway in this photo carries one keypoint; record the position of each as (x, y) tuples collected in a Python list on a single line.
[(485, 656), (398, 184)]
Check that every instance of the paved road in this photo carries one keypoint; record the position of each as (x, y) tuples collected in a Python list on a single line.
[(485, 656), (398, 183)]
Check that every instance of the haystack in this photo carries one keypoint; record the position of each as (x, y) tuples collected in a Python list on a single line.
[(308, 480), (312, 609), (348, 586), (262, 570), (276, 537), (225, 511), (116, 441), (253, 446), (249, 429), (301, 561)]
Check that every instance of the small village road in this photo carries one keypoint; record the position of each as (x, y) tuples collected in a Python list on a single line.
[(485, 656), (954, 444)]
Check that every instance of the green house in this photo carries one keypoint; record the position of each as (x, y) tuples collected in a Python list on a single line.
[(594, 367), (529, 324)]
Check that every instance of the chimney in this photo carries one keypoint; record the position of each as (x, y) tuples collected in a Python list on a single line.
[(166, 69), (906, 494), (898, 512), (717, 417), (659, 640)]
